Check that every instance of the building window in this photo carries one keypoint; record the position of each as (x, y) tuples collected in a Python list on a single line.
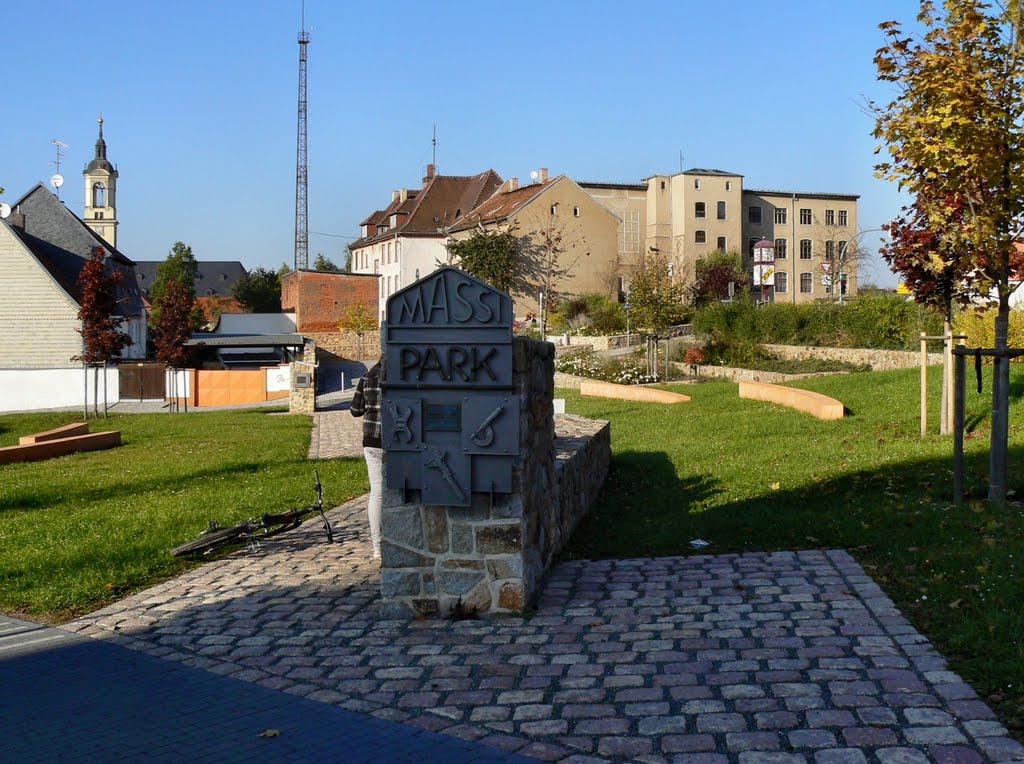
[(662, 185), (700, 210), (554, 209), (830, 250), (751, 243), (389, 252), (830, 217), (806, 283), (780, 215), (754, 215), (700, 237), (841, 250), (805, 216), (781, 281), (398, 249), (575, 212), (780, 249), (721, 210), (630, 232), (721, 243), (99, 195), (728, 185), (842, 218), (842, 283), (99, 215), (805, 249), (696, 183), (376, 266)]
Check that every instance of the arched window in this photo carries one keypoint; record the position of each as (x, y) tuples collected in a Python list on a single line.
[(99, 195)]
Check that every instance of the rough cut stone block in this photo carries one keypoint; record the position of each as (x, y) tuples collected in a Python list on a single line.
[(397, 583), (436, 523), (458, 582), (403, 526), (499, 539)]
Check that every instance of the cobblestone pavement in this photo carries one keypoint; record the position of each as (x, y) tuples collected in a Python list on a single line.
[(757, 658), (336, 434)]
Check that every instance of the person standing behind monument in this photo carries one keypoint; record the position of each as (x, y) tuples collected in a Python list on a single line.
[(366, 404)]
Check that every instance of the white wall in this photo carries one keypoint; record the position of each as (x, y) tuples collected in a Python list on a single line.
[(37, 389), (279, 378)]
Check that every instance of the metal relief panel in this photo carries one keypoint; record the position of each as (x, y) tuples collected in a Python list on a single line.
[(401, 424), (450, 417)]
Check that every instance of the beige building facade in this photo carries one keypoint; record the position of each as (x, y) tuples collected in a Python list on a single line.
[(584, 255), (688, 215)]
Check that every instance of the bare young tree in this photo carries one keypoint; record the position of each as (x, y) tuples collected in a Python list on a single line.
[(550, 255)]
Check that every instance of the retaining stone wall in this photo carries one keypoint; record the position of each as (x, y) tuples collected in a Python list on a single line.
[(491, 558), (879, 360), (334, 346)]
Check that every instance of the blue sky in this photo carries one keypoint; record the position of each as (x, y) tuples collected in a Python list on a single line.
[(199, 103)]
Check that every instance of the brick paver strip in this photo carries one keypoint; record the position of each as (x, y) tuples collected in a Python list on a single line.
[(761, 657)]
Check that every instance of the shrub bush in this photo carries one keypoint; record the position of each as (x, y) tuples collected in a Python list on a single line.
[(866, 321), (980, 328)]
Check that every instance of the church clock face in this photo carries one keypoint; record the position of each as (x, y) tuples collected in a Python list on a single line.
[(101, 230)]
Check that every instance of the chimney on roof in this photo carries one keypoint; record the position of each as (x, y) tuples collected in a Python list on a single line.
[(513, 183), (394, 195), (431, 171), (17, 219), (542, 175), (403, 194)]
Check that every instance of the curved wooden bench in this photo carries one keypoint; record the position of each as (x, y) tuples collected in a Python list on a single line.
[(815, 404), (630, 392)]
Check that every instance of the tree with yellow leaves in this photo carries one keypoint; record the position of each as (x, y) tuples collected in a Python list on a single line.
[(954, 133)]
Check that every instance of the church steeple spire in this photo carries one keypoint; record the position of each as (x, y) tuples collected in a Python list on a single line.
[(101, 192), (101, 145)]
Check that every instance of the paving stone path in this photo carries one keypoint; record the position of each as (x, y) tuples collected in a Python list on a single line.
[(336, 434), (757, 658)]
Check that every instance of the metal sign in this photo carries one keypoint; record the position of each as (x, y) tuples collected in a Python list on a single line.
[(450, 418)]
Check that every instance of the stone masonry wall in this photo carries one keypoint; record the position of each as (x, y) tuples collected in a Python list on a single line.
[(879, 360), (333, 346), (302, 400), (492, 558)]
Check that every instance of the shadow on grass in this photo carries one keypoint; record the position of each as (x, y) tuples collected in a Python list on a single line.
[(37, 499)]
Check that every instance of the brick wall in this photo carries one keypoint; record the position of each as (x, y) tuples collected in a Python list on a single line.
[(320, 300), (333, 346)]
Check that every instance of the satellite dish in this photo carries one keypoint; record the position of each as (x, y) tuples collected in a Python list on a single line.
[(534, 175), (57, 180), (5, 210)]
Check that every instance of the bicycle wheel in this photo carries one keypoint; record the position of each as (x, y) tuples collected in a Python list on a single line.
[(210, 541)]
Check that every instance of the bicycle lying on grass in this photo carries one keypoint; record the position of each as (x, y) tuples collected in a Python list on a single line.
[(252, 531)]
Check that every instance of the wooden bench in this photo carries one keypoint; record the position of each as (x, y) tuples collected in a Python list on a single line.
[(48, 448), (815, 404), (630, 392), (78, 428)]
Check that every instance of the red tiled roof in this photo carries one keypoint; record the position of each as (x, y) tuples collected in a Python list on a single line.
[(500, 206), (433, 208)]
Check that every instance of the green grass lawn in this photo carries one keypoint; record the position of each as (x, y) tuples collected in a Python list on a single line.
[(79, 531), (747, 475)]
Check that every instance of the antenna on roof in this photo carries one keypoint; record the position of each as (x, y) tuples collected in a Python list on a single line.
[(680, 160), (57, 180), (433, 158)]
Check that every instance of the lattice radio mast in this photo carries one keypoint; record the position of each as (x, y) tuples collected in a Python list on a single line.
[(301, 165)]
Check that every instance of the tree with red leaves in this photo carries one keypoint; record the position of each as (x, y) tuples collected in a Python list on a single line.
[(102, 338), (173, 327)]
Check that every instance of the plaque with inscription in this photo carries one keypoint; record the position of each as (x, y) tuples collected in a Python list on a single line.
[(442, 417)]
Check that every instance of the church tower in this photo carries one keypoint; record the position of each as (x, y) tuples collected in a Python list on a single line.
[(101, 193)]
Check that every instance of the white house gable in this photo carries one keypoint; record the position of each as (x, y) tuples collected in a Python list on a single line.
[(38, 319)]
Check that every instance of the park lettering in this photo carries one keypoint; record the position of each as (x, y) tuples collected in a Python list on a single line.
[(451, 361)]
